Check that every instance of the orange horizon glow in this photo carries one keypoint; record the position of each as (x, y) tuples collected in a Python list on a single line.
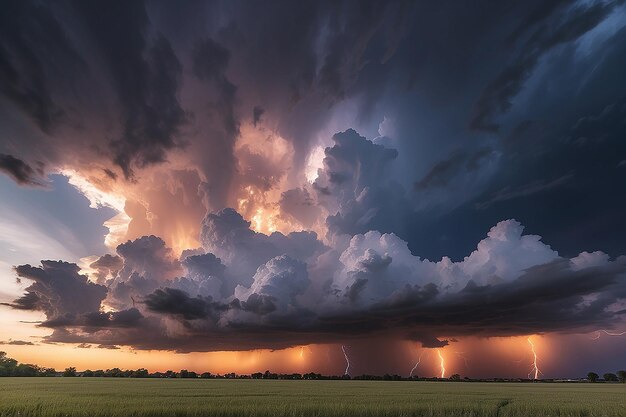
[(487, 357)]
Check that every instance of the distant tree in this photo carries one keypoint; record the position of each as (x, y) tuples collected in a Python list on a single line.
[(140, 373), (46, 372), (7, 365), (205, 375), (592, 376), (455, 377), (621, 375), (610, 377), (88, 373), (25, 370), (71, 371)]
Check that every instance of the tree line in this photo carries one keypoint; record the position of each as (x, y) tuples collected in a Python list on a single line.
[(11, 367)]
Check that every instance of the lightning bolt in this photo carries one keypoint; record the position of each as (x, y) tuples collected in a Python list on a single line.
[(416, 363), (441, 364), (345, 355), (301, 352), (534, 369), (608, 333)]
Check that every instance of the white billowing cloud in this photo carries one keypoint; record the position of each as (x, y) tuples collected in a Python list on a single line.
[(505, 254), (227, 235), (204, 276), (376, 265), (282, 279), (588, 260)]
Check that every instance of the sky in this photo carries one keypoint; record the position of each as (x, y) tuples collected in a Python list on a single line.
[(357, 186)]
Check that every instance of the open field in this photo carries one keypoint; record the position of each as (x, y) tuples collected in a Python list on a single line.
[(179, 397)]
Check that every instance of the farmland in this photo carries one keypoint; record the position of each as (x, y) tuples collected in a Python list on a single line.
[(178, 397)]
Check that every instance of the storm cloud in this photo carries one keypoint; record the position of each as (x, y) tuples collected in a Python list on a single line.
[(286, 173)]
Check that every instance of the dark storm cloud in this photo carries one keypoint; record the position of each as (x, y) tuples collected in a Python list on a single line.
[(19, 170), (566, 27), (28, 34), (146, 76), (58, 289), (427, 341), (97, 320), (177, 302)]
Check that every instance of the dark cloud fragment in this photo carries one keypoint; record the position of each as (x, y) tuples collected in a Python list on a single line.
[(257, 113), (459, 162), (177, 302), (58, 290), (20, 171)]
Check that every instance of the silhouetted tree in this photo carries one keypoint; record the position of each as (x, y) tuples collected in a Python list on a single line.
[(592, 376), (25, 370), (7, 365), (455, 377), (71, 371), (46, 372), (610, 377), (621, 375)]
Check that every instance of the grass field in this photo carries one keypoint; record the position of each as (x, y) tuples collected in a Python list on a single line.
[(178, 397)]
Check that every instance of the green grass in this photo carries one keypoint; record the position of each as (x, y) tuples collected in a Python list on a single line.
[(101, 397)]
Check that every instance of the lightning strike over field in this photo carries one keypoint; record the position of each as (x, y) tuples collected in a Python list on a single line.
[(535, 369), (608, 333), (345, 355), (442, 364), (416, 364)]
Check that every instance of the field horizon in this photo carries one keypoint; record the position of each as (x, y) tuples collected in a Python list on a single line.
[(112, 397)]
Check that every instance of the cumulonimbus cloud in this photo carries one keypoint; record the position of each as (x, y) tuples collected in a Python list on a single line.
[(281, 290)]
